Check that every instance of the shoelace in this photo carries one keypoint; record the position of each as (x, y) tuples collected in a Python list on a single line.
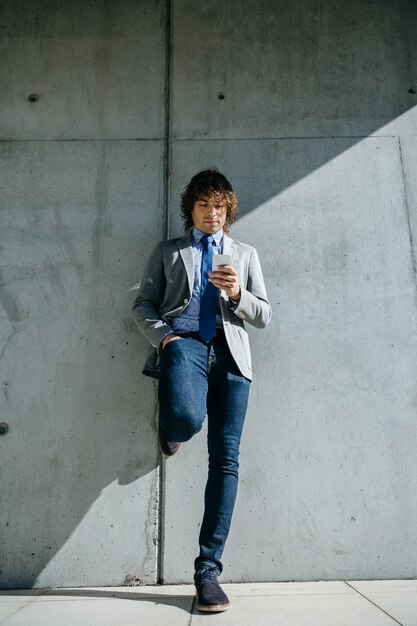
[(208, 574)]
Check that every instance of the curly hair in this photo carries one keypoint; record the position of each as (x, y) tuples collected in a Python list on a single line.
[(211, 183)]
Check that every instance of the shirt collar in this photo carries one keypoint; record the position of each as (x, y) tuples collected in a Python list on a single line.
[(198, 234)]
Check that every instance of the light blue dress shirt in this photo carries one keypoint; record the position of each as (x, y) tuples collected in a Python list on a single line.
[(189, 319)]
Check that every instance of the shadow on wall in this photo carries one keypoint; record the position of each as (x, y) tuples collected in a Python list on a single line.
[(82, 417)]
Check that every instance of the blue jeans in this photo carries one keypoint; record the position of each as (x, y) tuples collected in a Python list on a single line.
[(195, 379)]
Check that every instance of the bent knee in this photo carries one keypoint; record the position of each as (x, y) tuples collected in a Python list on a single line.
[(181, 425)]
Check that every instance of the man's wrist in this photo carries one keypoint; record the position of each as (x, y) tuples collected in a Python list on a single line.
[(161, 343), (236, 298)]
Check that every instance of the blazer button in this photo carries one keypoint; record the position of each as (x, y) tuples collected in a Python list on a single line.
[(185, 300)]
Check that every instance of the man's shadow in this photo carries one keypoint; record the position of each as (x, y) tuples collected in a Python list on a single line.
[(185, 602)]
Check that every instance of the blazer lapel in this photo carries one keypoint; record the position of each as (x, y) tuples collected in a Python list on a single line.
[(185, 247), (186, 251)]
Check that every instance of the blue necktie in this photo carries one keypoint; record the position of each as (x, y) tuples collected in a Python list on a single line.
[(208, 293)]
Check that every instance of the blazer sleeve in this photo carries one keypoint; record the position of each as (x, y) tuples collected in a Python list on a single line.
[(151, 292), (253, 306)]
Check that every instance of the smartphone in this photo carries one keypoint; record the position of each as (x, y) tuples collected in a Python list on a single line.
[(220, 259)]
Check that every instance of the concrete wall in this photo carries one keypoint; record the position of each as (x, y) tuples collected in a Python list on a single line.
[(309, 109), (82, 205)]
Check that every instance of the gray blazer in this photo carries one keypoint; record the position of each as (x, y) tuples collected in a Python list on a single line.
[(166, 290)]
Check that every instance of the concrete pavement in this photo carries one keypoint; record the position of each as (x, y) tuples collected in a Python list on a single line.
[(334, 603)]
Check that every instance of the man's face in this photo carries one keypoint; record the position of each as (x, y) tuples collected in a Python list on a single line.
[(209, 214)]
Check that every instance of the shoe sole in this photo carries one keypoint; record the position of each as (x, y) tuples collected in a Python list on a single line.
[(212, 608), (166, 450)]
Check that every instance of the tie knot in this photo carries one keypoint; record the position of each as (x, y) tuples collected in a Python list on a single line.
[(207, 239)]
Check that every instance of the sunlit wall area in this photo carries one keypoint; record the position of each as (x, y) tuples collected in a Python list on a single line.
[(310, 108)]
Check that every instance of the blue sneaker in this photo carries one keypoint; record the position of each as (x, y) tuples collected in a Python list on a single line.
[(210, 596)]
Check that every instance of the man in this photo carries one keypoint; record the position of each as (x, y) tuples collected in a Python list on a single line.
[(194, 320)]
